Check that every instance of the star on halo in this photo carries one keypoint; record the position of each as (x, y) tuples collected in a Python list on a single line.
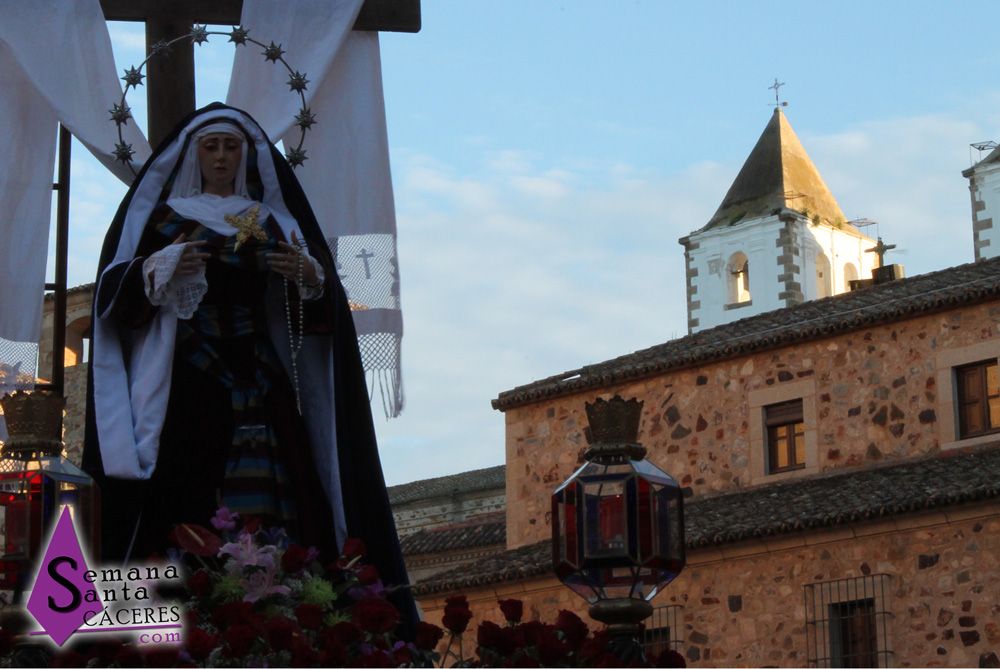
[(120, 114), (305, 119), (297, 81), (296, 157), (199, 34), (123, 152), (133, 77), (239, 35), (273, 52)]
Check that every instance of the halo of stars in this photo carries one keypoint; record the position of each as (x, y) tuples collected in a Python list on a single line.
[(133, 77)]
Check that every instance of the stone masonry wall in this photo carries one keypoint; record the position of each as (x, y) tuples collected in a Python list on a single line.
[(743, 604), (871, 396)]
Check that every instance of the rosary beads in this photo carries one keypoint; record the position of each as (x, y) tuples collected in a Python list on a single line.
[(293, 345)]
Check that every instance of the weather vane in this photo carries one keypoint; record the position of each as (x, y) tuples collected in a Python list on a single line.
[(775, 87)]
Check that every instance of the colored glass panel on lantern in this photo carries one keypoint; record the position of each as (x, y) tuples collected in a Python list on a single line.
[(32, 494), (626, 518)]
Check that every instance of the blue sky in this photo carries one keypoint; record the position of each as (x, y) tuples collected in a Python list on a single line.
[(547, 156)]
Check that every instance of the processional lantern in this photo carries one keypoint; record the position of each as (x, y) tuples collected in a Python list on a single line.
[(617, 522), (37, 482)]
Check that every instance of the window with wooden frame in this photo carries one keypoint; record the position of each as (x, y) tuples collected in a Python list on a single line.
[(978, 390), (786, 444)]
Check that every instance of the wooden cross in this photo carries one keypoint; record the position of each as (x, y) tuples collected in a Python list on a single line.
[(170, 78)]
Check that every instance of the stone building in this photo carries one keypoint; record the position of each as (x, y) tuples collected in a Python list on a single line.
[(450, 521), (778, 238), (841, 459)]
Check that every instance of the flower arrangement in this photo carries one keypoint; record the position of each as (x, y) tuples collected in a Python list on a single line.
[(254, 598)]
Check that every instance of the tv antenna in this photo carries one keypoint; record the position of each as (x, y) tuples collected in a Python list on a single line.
[(980, 147)]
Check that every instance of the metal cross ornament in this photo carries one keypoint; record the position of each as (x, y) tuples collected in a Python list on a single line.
[(776, 86)]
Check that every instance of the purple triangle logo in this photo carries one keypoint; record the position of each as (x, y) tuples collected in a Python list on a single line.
[(57, 600)]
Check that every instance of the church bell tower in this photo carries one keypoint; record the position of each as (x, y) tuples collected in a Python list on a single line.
[(778, 238)]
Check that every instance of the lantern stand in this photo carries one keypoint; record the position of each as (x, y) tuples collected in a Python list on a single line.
[(618, 526)]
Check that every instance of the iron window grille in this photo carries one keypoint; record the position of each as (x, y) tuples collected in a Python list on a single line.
[(663, 631), (847, 622), (978, 390), (786, 442)]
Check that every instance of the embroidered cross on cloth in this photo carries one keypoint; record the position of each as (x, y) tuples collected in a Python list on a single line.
[(246, 226)]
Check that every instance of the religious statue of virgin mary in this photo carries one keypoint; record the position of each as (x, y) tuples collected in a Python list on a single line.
[(225, 368)]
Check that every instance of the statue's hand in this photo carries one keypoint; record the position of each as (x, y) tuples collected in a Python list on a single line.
[(286, 262), (192, 259)]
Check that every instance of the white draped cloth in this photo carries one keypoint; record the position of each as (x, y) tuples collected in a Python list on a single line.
[(56, 65), (346, 175)]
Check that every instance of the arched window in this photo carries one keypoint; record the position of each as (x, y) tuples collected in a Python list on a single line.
[(738, 278), (850, 274), (824, 277)]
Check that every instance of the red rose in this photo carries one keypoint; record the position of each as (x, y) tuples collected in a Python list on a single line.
[(333, 656), (303, 654), (310, 616), (342, 634), (105, 651), (573, 628), (512, 609), (251, 524), (427, 636), (200, 583), (456, 614), (456, 620), (375, 615), (551, 651), (238, 639), (367, 574), (594, 647), (353, 548), (294, 559), (402, 657), (231, 613), (196, 539), (532, 631), (280, 631), (200, 643), (161, 657), (68, 658), (670, 658), (127, 656), (492, 636)]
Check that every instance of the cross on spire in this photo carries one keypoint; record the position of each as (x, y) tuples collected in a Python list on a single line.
[(777, 100)]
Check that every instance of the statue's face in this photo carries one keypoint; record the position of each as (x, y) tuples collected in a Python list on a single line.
[(219, 156)]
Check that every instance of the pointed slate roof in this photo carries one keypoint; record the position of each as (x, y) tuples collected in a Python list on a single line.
[(777, 175)]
